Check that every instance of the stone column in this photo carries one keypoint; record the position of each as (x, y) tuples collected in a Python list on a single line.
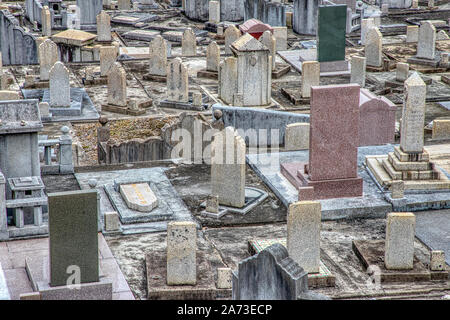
[(303, 234), (181, 253), (65, 152), (400, 233)]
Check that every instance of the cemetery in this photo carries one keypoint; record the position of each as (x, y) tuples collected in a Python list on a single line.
[(224, 150)]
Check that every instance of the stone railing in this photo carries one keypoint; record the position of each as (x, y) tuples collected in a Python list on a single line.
[(64, 163)]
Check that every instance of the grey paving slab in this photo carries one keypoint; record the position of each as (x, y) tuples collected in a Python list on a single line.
[(433, 229)]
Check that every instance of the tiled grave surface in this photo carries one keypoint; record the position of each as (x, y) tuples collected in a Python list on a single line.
[(14, 253)]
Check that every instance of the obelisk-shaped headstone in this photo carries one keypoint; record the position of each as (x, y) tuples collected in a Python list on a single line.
[(413, 115)]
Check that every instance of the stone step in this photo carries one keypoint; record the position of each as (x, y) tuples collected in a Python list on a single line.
[(403, 156), (394, 174), (427, 185), (375, 166), (408, 165)]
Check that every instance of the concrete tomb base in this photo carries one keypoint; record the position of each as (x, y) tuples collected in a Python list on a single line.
[(186, 105), (37, 271), (138, 110), (427, 62), (371, 253), (324, 278), (324, 189), (253, 197)]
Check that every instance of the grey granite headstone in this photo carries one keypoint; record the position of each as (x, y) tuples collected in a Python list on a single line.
[(73, 236), (269, 275)]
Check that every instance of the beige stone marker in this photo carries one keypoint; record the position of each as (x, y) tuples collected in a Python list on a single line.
[(117, 86), (48, 56), (296, 136), (413, 115), (228, 168), (231, 35), (402, 71), (224, 278), (271, 43), (399, 246), (177, 81), (412, 34), (189, 43), (310, 77), (103, 27), (158, 56), (212, 57), (437, 260), (398, 189), (108, 56), (46, 22), (303, 234), (426, 45), (139, 197), (441, 129), (373, 47), (181, 253), (358, 71)]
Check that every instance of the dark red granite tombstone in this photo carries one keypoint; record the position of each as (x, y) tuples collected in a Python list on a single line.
[(334, 138), (377, 119), (255, 27)]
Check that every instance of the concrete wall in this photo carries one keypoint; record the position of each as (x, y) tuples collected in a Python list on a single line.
[(272, 13), (253, 118)]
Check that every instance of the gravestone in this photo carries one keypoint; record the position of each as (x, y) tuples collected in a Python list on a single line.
[(281, 35), (228, 79), (358, 71), (48, 56), (73, 17), (334, 118), (212, 57), (117, 86), (231, 35), (108, 56), (103, 27), (366, 24), (73, 236), (441, 129), (296, 136), (89, 9), (267, 11), (427, 41), (181, 253), (271, 43), (399, 246), (177, 81), (331, 33), (402, 71), (303, 234), (412, 34), (59, 86), (304, 20), (269, 275), (228, 168), (158, 56), (310, 77), (214, 11), (413, 119), (46, 22), (189, 43), (139, 197), (373, 47), (124, 4)]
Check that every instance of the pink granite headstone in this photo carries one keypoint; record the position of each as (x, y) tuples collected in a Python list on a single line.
[(377, 119), (334, 135), (332, 171)]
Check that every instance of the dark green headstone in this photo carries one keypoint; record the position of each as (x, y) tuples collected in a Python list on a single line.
[(331, 33), (73, 235)]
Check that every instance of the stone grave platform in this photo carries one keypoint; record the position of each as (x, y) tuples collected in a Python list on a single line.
[(371, 253), (132, 18), (327, 69), (205, 289), (171, 207), (81, 107), (253, 197), (137, 110), (427, 62), (323, 278), (373, 204), (186, 105)]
